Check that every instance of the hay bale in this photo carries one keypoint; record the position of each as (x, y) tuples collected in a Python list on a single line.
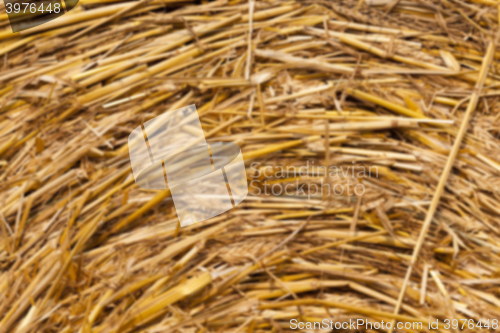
[(393, 102)]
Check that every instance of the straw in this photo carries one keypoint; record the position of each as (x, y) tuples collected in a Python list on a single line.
[(369, 133)]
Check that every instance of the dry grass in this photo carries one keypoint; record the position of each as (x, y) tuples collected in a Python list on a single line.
[(410, 88)]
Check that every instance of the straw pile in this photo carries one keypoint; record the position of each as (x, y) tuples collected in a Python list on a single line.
[(403, 86)]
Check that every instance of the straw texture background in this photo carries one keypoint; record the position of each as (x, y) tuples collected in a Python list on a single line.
[(410, 87)]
